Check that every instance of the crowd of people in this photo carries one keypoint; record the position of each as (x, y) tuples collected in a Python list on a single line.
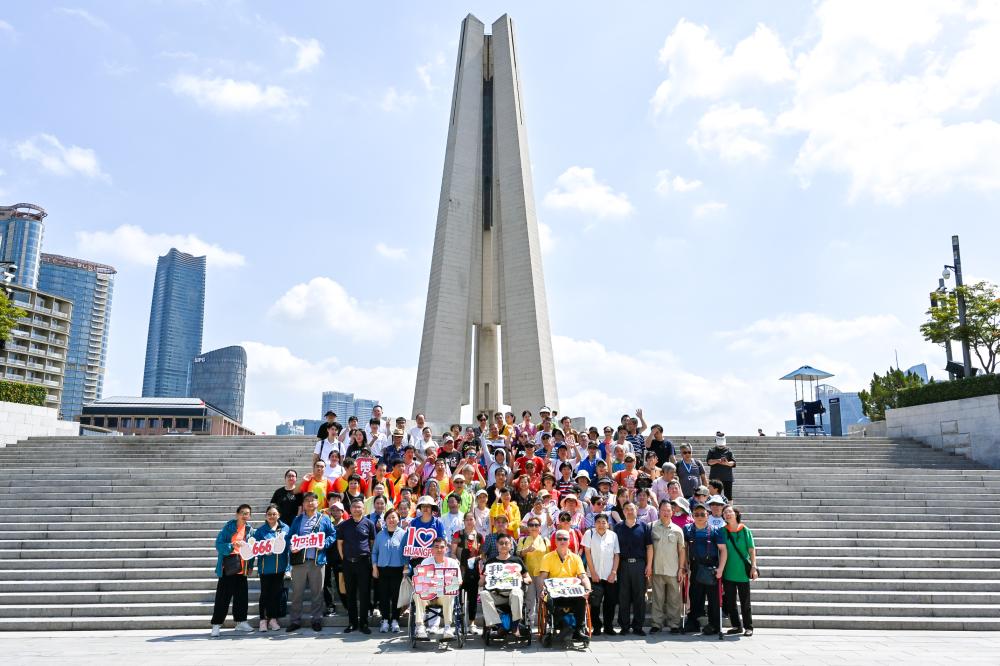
[(624, 513)]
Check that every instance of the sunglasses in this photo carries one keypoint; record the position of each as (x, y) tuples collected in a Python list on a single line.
[(561, 539)]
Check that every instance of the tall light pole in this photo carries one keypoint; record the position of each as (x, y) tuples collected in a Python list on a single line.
[(942, 290), (957, 256)]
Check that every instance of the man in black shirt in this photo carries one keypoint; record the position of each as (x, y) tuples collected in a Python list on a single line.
[(635, 570), (331, 418), (354, 543), (288, 498), (721, 463), (514, 597), (663, 448)]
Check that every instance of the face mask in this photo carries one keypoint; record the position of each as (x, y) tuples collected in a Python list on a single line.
[(720, 441)]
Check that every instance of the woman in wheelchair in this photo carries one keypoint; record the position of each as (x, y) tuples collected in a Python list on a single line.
[(493, 594), (440, 560), (563, 563)]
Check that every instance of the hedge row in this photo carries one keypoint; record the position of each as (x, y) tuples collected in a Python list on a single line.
[(25, 394), (953, 390)]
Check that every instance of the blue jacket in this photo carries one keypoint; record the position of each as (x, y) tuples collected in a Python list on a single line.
[(388, 550), (325, 526), (224, 545), (272, 564)]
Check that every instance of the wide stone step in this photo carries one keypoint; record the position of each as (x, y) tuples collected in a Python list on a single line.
[(108, 572), (874, 585), (877, 610), (784, 569), (139, 586)]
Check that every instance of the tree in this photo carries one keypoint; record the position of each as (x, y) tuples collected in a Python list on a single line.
[(884, 393), (982, 322), (9, 314)]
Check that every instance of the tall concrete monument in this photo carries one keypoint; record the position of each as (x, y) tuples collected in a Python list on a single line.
[(486, 308)]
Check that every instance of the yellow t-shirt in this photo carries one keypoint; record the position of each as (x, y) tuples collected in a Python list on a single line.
[(513, 516), (571, 567), (533, 560)]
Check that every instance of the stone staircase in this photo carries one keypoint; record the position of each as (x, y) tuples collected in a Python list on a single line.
[(116, 533)]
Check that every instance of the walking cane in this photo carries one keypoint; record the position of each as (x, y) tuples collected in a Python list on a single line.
[(685, 605), (719, 584)]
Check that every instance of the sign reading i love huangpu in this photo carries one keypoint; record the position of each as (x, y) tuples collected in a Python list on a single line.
[(418, 541)]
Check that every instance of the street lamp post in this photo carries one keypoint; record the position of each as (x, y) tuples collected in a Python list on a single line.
[(943, 291), (957, 255)]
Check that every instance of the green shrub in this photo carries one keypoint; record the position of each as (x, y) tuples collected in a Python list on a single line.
[(25, 394), (954, 390)]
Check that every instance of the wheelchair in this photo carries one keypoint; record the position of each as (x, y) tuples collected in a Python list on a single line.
[(557, 621), (506, 633), (434, 611)]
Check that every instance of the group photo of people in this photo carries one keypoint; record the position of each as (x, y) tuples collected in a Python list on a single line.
[(511, 528)]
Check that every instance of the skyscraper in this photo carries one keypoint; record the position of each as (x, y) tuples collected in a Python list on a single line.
[(219, 377), (89, 286), (486, 285), (21, 230), (345, 405), (175, 324)]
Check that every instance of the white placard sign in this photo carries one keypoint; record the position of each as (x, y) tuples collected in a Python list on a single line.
[(561, 588), (311, 540), (252, 548)]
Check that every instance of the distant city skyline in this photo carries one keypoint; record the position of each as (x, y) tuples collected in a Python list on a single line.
[(345, 405)]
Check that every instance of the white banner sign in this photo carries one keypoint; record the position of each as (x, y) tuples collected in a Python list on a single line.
[(253, 548), (311, 540), (560, 588)]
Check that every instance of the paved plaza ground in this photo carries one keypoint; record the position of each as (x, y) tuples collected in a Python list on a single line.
[(147, 648)]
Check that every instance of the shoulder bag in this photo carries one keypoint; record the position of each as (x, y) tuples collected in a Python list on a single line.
[(743, 556)]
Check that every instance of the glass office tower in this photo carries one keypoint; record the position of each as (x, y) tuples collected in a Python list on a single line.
[(219, 377), (89, 286), (176, 317), (21, 230)]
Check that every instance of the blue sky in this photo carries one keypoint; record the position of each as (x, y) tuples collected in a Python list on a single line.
[(726, 190)]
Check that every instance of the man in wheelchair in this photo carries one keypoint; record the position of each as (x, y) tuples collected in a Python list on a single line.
[(495, 589), (563, 563), (440, 560)]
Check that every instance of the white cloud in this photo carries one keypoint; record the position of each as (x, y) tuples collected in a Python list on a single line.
[(894, 100), (546, 238), (222, 94), (578, 189), (709, 208), (808, 329), (394, 253), (894, 96), (698, 68), (308, 52), (85, 16), (48, 152), (602, 383), (7, 27), (424, 72), (279, 382), (665, 184), (393, 100), (325, 300), (732, 132), (131, 244)]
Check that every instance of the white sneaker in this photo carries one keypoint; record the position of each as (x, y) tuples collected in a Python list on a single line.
[(244, 627), (384, 627), (273, 625), (216, 630), (447, 634), (395, 627), (421, 631), (263, 626)]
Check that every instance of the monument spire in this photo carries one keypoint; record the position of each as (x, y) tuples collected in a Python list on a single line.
[(486, 315)]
